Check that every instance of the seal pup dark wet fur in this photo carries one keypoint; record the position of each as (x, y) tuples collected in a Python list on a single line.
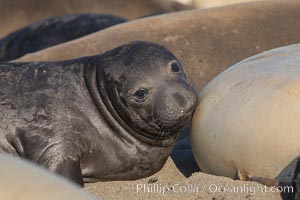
[(114, 116)]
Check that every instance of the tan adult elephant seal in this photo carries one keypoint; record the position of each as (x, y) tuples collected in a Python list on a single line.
[(21, 180), (247, 122), (205, 41)]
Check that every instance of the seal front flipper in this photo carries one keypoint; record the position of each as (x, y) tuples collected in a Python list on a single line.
[(70, 169), (44, 147)]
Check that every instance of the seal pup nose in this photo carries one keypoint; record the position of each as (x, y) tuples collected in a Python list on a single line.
[(180, 100), (186, 102)]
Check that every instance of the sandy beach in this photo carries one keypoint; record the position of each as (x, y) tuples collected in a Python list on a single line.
[(198, 186), (182, 180)]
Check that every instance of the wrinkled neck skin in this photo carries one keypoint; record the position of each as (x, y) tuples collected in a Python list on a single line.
[(95, 81)]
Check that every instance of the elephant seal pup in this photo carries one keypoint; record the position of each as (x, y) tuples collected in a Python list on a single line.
[(247, 122), (52, 31), (23, 180), (114, 116)]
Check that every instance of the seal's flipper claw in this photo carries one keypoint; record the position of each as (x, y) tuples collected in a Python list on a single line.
[(70, 169), (30, 143)]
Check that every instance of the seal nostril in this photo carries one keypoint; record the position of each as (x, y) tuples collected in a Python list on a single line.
[(180, 100)]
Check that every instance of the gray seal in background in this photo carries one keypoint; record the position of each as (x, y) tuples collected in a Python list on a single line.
[(53, 31), (29, 11), (114, 116)]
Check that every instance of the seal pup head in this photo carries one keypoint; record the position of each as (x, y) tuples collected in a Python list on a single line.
[(147, 91)]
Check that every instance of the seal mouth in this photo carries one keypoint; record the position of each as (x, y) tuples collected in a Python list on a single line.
[(156, 130), (165, 129)]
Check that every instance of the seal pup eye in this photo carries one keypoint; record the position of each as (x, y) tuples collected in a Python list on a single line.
[(175, 67), (140, 93)]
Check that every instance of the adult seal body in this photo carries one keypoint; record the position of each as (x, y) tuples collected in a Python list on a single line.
[(247, 123), (114, 116), (26, 181), (198, 38), (53, 31)]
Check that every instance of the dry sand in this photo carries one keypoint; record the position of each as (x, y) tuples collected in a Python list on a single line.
[(182, 171), (170, 176)]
